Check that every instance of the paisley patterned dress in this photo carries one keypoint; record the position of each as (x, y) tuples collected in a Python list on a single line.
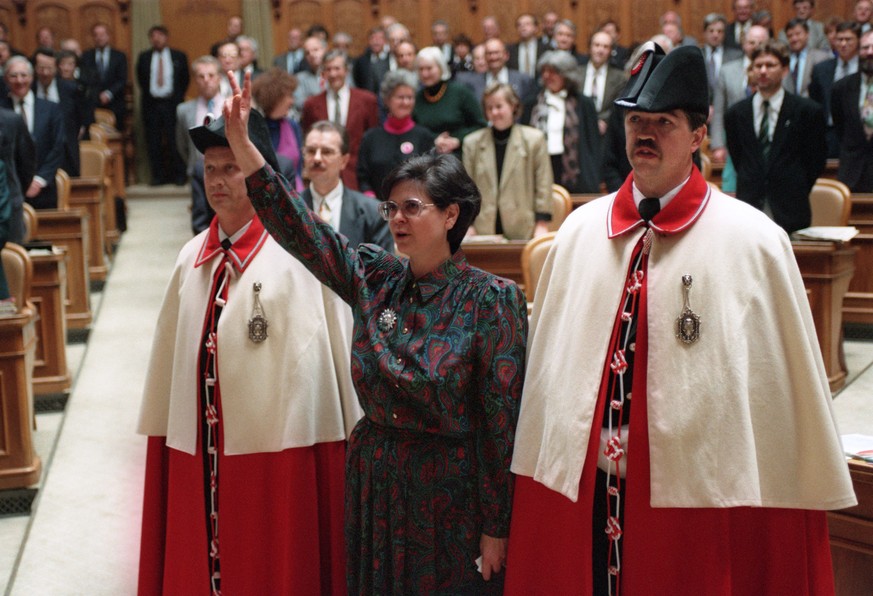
[(438, 364)]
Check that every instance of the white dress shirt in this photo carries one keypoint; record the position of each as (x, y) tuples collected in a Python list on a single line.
[(165, 88), (773, 114), (334, 200)]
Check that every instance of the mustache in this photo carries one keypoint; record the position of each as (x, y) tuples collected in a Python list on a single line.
[(647, 143)]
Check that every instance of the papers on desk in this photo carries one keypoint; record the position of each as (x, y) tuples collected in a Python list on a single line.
[(858, 447), (485, 239), (827, 233)]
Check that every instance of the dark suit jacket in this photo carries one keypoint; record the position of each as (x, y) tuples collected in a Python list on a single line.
[(114, 81), (368, 73), (856, 151), (615, 83), (363, 115), (181, 76), (797, 158), (281, 61), (820, 91), (513, 62), (17, 151), (523, 85), (360, 221), (74, 109), (48, 138)]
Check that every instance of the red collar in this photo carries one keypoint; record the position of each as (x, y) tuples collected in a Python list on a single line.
[(680, 213), (241, 253)]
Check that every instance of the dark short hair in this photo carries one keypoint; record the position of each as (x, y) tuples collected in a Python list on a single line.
[(796, 22), (45, 52), (811, 2), (334, 54), (775, 48), (850, 26), (714, 17), (460, 38), (329, 126), (695, 119), (446, 182), (62, 54), (159, 29)]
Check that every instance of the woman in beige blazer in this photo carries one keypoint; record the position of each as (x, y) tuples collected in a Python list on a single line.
[(510, 164)]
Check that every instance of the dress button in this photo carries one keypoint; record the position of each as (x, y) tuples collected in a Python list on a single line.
[(400, 361), (410, 299), (394, 416), (406, 330)]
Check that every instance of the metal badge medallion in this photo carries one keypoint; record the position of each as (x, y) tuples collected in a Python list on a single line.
[(387, 320), (258, 323), (688, 323)]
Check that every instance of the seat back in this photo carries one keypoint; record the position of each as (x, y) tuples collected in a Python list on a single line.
[(533, 257), (62, 183), (30, 222), (830, 202), (19, 273), (94, 159), (106, 117), (562, 205), (705, 165)]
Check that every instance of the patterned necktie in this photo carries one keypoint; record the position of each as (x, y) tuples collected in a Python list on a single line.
[(867, 110), (160, 69), (795, 73), (594, 94), (764, 131), (324, 212), (337, 108)]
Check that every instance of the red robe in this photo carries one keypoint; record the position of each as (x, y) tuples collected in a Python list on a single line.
[(700, 551)]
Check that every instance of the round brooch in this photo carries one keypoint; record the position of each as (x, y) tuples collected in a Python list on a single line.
[(387, 320), (406, 147)]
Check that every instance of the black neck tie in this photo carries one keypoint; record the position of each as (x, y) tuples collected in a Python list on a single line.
[(764, 130), (649, 208)]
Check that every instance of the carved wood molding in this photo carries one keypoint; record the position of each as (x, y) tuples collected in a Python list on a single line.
[(124, 10), (21, 9), (277, 9)]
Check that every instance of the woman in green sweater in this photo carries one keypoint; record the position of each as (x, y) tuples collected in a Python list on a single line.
[(448, 109)]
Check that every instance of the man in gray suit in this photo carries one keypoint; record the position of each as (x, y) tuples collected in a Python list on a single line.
[(292, 60), (352, 214), (497, 56), (188, 115), (733, 86), (803, 57), (716, 52), (803, 10), (601, 81)]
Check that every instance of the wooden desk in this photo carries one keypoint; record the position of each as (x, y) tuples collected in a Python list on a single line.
[(70, 230), (87, 194), (858, 306), (47, 292), (851, 532), (826, 268)]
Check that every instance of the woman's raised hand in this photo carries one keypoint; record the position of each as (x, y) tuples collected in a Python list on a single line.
[(236, 125)]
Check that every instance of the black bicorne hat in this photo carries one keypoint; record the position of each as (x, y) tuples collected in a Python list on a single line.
[(211, 134), (662, 82)]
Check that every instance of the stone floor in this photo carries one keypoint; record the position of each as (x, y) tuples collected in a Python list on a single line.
[(82, 536)]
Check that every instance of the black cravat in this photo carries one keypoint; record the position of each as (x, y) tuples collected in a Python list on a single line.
[(649, 208)]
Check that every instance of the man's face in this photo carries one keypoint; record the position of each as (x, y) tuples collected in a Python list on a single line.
[(246, 53), (207, 80), (234, 27), (479, 63), (225, 185), (798, 36), (847, 45), (714, 34), (158, 40), (5, 52), (228, 56), (495, 55), (18, 79), (396, 35), (755, 37), (803, 10), (525, 27), (550, 19), (601, 46), (743, 10), (769, 73), (863, 11), (659, 147), (334, 72), (673, 33), (490, 28), (439, 34), (45, 38), (865, 63), (376, 42), (405, 55), (564, 37), (322, 160), (295, 38), (46, 68), (313, 50), (101, 36), (67, 68)]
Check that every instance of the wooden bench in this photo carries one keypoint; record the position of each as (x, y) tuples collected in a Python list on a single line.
[(47, 292)]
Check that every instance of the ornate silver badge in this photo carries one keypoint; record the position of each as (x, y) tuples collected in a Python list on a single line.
[(258, 323), (387, 320), (688, 323)]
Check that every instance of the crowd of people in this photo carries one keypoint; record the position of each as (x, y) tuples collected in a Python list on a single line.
[(338, 402)]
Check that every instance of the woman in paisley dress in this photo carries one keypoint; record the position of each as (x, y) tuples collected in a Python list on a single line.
[(438, 363)]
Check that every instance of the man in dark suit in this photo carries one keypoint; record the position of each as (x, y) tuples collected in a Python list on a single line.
[(601, 81), (826, 73), (496, 56), (19, 155), (715, 51), (523, 54), (439, 35), (774, 139), (371, 66), (853, 121), (71, 97), (325, 156), (565, 38), (292, 60), (743, 10), (104, 72), (355, 109), (44, 123), (162, 74)]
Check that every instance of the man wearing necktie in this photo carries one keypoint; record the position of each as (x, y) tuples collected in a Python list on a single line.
[(162, 74), (104, 72), (675, 433), (292, 60), (603, 82), (715, 50), (803, 57), (354, 109), (775, 141), (852, 109)]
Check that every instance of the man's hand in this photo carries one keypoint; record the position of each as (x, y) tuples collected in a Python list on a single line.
[(33, 189)]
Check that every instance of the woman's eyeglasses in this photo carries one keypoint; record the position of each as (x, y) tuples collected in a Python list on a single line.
[(409, 208)]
